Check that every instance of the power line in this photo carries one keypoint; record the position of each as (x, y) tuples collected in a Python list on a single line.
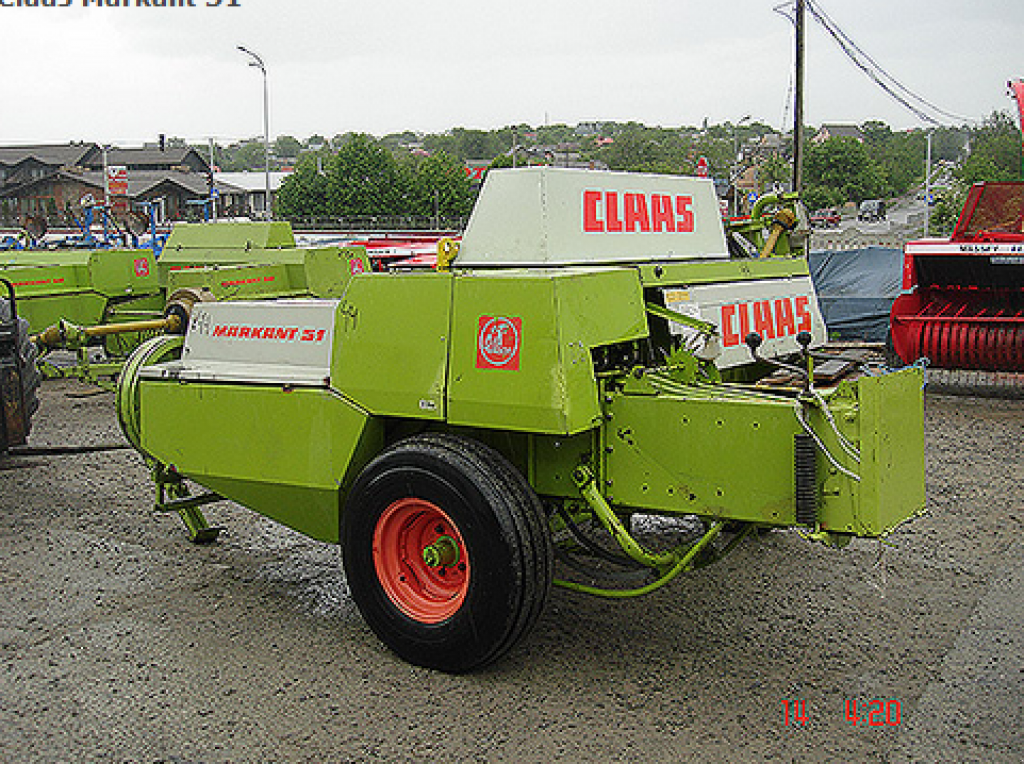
[(896, 90), (877, 67)]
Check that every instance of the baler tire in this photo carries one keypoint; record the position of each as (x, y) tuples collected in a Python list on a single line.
[(29, 371), (418, 491)]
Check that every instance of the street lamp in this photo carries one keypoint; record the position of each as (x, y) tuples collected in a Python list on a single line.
[(737, 164), (258, 63)]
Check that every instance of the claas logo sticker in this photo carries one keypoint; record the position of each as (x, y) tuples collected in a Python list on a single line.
[(497, 342)]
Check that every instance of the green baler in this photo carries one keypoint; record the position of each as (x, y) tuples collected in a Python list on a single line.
[(86, 286), (90, 297), (99, 286), (588, 359)]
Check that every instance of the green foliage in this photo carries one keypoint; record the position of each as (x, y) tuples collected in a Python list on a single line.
[(948, 143), (902, 160), (464, 145), (304, 192), (635, 148), (365, 179), (360, 175), (840, 170), (774, 170), (287, 147), (242, 157), (500, 162), (946, 210), (995, 151), (441, 180), (995, 156)]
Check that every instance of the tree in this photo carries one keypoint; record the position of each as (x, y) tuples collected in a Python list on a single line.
[(774, 171), (635, 148), (243, 156), (840, 170), (442, 179), (304, 192), (995, 154), (287, 147), (365, 179), (995, 151)]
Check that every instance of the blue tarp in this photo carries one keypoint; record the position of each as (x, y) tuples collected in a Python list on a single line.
[(856, 288)]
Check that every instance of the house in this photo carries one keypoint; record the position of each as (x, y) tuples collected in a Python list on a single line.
[(243, 194), (828, 132), (74, 187), (24, 164), (52, 179), (151, 158)]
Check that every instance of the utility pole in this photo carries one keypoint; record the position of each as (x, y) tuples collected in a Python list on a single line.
[(213, 198), (798, 106), (928, 183), (106, 175)]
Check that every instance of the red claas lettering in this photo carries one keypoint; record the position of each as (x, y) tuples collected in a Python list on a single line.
[(636, 212), (785, 324), (763, 323), (803, 314), (782, 317)]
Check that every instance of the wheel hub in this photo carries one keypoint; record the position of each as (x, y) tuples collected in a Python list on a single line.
[(421, 560)]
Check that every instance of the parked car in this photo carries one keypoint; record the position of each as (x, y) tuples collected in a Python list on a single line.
[(871, 210), (827, 217)]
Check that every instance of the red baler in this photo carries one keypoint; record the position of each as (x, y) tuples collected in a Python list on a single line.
[(962, 305)]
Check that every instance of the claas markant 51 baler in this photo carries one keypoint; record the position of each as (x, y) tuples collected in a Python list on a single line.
[(592, 356)]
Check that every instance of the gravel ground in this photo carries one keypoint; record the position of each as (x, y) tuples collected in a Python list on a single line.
[(121, 642)]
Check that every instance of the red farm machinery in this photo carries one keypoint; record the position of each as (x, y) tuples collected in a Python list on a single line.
[(962, 305)]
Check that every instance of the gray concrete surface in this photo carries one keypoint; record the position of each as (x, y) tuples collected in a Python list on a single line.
[(120, 642)]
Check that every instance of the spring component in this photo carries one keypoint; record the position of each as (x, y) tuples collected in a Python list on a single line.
[(806, 475)]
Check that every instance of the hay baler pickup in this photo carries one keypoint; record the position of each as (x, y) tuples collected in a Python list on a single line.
[(587, 360), (962, 305)]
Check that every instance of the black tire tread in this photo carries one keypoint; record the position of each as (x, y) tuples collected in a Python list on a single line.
[(538, 551), (516, 510), (27, 354)]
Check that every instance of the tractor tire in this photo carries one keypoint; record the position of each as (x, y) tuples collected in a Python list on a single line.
[(29, 372), (447, 552)]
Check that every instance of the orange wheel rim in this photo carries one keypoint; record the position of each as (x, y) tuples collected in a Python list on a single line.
[(421, 560)]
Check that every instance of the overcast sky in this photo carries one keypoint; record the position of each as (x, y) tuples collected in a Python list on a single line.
[(123, 75)]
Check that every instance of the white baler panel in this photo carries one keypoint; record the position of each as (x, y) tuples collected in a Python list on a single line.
[(272, 342), (777, 309), (542, 216)]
